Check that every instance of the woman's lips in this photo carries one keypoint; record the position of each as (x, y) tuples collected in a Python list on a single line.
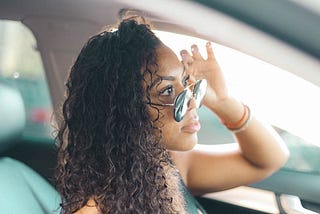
[(191, 127)]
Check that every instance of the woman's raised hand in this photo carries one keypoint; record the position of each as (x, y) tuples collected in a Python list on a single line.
[(209, 69)]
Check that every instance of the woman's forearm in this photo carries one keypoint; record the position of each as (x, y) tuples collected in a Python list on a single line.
[(259, 143), (262, 146)]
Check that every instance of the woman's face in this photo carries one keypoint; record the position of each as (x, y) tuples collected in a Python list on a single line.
[(170, 80)]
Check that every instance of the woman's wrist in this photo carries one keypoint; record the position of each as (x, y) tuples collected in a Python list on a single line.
[(242, 123), (230, 111)]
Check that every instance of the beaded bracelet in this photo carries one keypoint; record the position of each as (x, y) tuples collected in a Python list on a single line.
[(241, 124)]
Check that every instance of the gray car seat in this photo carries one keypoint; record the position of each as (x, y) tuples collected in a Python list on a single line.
[(25, 191), (22, 190)]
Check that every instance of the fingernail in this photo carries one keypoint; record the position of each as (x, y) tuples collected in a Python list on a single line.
[(208, 44), (194, 48), (184, 56)]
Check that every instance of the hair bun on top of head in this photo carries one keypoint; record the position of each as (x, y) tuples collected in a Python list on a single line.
[(136, 15)]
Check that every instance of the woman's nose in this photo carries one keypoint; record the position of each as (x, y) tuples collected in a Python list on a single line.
[(192, 104)]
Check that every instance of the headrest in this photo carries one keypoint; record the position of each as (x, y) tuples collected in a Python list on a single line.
[(12, 115)]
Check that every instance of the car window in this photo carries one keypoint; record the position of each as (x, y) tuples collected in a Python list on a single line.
[(276, 96), (21, 67)]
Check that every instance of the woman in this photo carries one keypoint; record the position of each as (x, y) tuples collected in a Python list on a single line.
[(130, 125)]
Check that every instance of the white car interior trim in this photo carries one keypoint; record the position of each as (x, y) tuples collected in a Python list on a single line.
[(248, 197), (292, 205)]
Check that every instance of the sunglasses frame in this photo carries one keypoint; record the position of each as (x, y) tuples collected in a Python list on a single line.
[(177, 111)]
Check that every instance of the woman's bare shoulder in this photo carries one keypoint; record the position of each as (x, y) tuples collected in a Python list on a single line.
[(89, 208)]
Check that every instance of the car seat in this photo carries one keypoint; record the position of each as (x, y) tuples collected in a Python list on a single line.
[(22, 190)]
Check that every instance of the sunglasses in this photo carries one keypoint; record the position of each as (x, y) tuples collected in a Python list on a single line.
[(182, 101)]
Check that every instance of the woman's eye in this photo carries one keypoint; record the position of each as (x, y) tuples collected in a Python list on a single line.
[(185, 80), (167, 91)]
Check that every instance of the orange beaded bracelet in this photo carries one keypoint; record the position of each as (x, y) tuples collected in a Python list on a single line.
[(241, 124)]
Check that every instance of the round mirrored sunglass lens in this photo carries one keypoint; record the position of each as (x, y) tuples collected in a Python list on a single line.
[(183, 99), (179, 109), (181, 104), (199, 91)]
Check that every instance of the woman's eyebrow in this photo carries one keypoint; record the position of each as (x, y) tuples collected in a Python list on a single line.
[(170, 78), (159, 79)]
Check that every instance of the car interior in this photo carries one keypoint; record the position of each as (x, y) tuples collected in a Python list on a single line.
[(61, 27), (23, 189)]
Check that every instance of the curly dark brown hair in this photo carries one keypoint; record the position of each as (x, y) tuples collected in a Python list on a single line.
[(107, 147)]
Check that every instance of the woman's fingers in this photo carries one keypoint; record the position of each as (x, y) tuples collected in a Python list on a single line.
[(187, 61), (195, 52), (186, 57), (209, 50), (195, 64)]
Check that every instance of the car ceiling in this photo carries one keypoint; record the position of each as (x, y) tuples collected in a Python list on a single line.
[(283, 19), (100, 12), (104, 11)]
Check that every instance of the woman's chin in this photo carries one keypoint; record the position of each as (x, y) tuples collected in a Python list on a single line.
[(185, 143)]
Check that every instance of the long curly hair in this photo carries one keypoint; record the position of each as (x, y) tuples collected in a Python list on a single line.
[(108, 146)]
